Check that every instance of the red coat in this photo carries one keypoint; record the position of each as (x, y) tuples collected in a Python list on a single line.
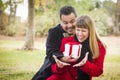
[(94, 68)]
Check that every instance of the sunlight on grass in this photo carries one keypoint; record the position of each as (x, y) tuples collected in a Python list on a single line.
[(9, 44), (18, 58)]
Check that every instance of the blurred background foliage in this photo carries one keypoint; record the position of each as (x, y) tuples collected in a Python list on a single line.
[(47, 15)]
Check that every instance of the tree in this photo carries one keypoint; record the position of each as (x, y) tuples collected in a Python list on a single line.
[(117, 14), (113, 10), (3, 6), (1, 11), (13, 6), (30, 33)]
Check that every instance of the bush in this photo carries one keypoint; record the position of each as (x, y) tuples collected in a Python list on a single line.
[(10, 30), (44, 22), (102, 24)]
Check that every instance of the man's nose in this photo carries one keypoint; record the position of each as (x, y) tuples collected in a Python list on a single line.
[(69, 25)]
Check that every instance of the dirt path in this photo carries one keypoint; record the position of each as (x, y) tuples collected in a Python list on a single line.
[(19, 38), (39, 42), (109, 40), (112, 42)]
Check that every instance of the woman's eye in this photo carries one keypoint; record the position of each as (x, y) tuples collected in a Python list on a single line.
[(84, 31), (77, 30)]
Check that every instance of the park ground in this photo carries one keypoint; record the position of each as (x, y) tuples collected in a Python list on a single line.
[(16, 64)]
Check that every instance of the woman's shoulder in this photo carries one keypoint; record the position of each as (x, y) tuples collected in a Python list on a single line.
[(101, 44)]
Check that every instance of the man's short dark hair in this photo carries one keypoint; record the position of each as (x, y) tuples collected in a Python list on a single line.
[(66, 10)]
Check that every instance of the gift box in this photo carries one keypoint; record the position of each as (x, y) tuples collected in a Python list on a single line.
[(73, 49)]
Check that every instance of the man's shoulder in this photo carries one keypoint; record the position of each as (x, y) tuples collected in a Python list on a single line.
[(55, 28), (56, 31)]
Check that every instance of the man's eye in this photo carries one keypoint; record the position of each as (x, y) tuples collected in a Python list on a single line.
[(72, 21), (64, 22)]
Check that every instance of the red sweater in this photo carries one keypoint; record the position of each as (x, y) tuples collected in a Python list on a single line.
[(94, 68)]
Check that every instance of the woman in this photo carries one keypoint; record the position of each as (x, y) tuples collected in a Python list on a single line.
[(88, 65)]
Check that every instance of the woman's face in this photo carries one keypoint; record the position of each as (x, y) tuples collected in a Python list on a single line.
[(82, 34)]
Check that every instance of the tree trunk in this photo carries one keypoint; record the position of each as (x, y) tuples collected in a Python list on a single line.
[(116, 27), (30, 33)]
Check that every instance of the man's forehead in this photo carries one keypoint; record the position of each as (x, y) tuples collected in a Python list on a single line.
[(68, 18)]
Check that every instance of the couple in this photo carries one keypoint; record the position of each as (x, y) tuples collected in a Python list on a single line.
[(81, 30)]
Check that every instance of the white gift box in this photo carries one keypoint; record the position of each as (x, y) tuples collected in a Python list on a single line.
[(73, 49)]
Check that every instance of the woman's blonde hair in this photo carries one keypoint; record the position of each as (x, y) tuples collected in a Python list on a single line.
[(85, 21)]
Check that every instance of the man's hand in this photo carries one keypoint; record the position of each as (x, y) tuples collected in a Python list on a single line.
[(59, 63), (82, 63)]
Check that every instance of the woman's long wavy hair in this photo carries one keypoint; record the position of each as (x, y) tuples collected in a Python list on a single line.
[(85, 21)]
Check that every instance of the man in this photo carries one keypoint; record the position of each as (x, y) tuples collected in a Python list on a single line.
[(55, 35)]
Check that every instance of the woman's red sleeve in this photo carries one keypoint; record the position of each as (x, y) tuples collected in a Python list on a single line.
[(55, 69), (95, 68)]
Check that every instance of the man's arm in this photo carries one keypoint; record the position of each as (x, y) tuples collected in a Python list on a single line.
[(53, 43)]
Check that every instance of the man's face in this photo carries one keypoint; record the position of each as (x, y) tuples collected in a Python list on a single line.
[(68, 23)]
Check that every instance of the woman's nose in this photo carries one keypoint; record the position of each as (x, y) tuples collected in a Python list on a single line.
[(80, 33)]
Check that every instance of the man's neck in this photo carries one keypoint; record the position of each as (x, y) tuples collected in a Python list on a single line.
[(67, 35)]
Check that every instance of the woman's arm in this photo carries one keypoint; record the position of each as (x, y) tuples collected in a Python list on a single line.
[(95, 68)]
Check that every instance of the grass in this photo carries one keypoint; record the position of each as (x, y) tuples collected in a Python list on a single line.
[(15, 64), (22, 65), (111, 68), (18, 64)]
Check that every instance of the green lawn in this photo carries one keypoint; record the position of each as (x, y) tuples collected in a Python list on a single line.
[(22, 65), (19, 65)]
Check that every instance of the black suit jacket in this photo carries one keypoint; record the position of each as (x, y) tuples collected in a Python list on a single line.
[(53, 43)]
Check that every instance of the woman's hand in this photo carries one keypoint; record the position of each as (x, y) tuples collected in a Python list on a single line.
[(82, 63), (59, 63), (69, 59)]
